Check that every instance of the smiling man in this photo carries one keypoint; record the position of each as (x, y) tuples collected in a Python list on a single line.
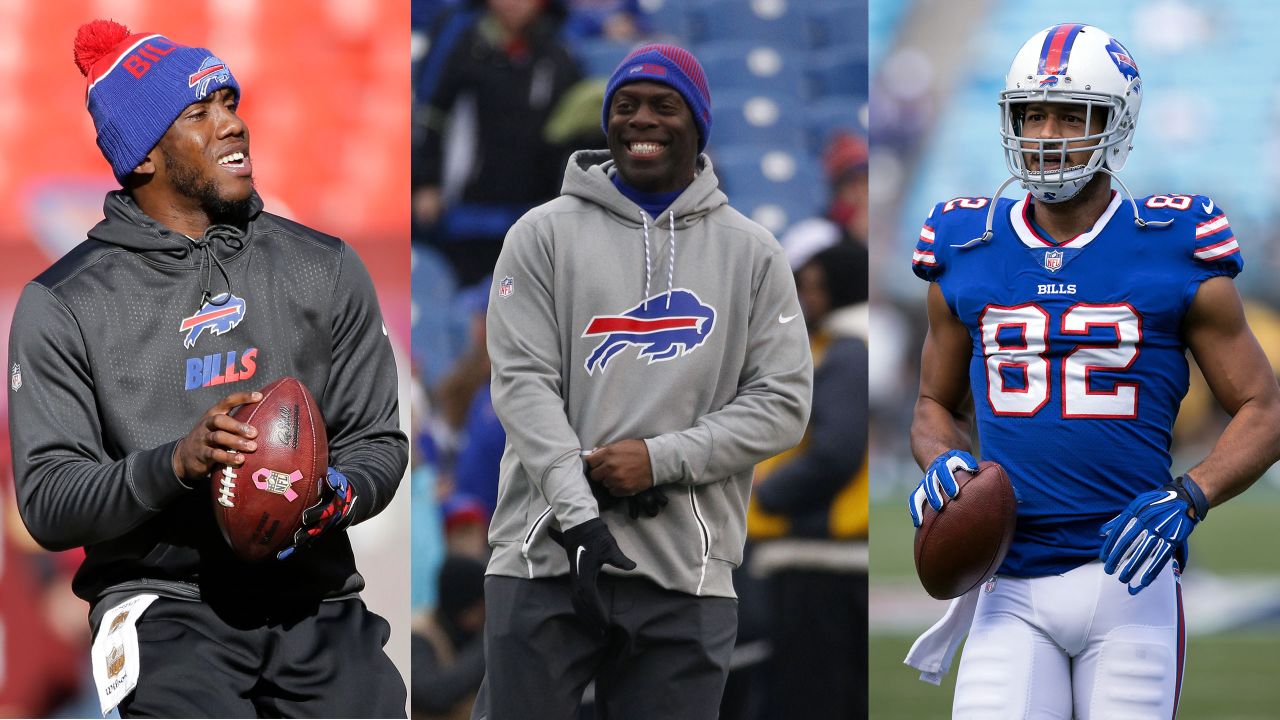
[(126, 357), (646, 354), (1067, 316)]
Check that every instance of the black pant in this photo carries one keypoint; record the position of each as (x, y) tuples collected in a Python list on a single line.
[(666, 654), (820, 645), (327, 662)]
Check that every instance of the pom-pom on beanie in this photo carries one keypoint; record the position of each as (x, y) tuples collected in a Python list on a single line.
[(669, 65), (138, 84)]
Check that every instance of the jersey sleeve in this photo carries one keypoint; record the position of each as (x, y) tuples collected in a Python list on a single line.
[(71, 491), (360, 404), (925, 262), (524, 341), (1215, 249)]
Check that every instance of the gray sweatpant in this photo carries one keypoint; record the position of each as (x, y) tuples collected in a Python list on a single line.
[(666, 654)]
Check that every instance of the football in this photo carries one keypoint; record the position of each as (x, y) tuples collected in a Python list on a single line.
[(259, 505), (963, 544)]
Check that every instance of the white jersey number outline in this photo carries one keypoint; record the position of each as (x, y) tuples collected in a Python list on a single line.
[(1029, 357)]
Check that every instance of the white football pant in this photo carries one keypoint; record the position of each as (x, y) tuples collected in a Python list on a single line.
[(1073, 646)]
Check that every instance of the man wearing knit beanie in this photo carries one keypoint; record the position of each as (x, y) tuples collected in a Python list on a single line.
[(646, 354), (182, 302)]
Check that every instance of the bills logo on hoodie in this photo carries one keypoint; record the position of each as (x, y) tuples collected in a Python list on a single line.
[(220, 315), (662, 330)]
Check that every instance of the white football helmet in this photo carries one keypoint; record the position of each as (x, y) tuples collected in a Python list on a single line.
[(1070, 63)]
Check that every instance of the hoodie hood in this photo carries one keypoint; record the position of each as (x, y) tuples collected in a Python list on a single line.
[(125, 225), (589, 176)]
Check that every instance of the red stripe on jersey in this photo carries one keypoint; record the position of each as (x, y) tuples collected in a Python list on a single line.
[(1227, 248), (1216, 245), (1211, 226)]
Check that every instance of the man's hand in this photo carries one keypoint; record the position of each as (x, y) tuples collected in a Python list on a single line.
[(650, 502), (1154, 526), (622, 467), (589, 547), (939, 483), (216, 439), (331, 512)]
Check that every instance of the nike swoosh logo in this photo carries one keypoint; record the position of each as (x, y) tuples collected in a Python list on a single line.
[(577, 562), (784, 319), (1169, 497), (1208, 207)]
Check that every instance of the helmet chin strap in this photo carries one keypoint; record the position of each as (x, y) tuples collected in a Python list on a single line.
[(991, 212), (1137, 219)]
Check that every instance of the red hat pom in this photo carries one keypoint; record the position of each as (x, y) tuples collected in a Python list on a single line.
[(96, 39)]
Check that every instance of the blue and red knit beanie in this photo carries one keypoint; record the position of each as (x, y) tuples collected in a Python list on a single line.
[(138, 84), (669, 65)]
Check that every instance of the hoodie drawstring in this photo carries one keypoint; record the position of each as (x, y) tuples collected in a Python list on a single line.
[(648, 264), (671, 264), (233, 237), (648, 268)]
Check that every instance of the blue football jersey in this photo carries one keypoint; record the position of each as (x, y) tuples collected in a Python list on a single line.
[(1078, 363)]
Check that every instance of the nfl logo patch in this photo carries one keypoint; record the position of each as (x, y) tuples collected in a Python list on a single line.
[(15, 377), (1053, 260), (506, 287)]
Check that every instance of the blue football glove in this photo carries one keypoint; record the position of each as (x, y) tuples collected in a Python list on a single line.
[(1154, 526), (331, 512), (939, 483)]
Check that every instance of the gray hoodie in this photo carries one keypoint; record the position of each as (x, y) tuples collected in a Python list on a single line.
[(606, 324)]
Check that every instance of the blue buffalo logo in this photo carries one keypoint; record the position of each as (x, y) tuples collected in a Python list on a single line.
[(1123, 60), (1050, 81), (211, 69), (662, 330), (221, 314)]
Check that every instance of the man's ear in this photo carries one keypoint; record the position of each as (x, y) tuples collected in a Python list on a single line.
[(148, 165)]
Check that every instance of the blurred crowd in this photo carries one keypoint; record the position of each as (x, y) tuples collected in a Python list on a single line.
[(505, 90)]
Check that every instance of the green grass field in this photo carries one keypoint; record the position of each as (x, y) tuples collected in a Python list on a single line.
[(1229, 675)]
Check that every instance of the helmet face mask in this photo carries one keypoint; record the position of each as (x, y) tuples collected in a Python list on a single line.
[(1069, 64)]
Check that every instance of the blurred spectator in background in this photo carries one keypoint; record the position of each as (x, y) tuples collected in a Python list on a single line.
[(448, 644), (501, 61), (809, 507), (475, 437), (616, 20), (470, 372), (845, 163)]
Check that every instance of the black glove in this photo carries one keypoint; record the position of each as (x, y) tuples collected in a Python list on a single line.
[(590, 546), (604, 498), (650, 502)]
